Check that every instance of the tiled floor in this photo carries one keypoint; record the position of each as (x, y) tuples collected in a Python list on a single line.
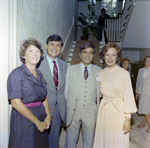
[(138, 136)]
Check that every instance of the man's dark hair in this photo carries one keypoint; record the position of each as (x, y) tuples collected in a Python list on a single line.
[(54, 37), (87, 45), (103, 10)]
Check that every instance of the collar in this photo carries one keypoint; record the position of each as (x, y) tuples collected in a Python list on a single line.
[(50, 61), (27, 71), (146, 69), (82, 66)]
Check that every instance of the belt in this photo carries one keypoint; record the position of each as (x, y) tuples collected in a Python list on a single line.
[(33, 104), (115, 102)]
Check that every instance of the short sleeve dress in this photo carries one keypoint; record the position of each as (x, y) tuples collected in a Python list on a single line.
[(22, 84), (117, 103)]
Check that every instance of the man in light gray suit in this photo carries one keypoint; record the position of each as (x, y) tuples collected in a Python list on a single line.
[(54, 72), (82, 95)]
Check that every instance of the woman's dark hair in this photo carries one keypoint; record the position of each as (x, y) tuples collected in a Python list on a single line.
[(108, 46), (26, 44), (146, 58)]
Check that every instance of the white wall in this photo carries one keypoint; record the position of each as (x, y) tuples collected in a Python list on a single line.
[(144, 53), (138, 31), (131, 55), (82, 7)]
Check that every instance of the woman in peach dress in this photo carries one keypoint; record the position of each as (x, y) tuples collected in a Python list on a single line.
[(117, 104)]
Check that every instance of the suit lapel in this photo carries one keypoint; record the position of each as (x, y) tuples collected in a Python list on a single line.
[(91, 70), (47, 73), (148, 75), (142, 71), (77, 76), (78, 72), (61, 74)]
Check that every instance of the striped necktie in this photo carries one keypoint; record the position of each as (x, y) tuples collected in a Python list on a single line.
[(85, 73), (55, 74)]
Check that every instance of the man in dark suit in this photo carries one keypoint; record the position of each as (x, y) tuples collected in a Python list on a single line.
[(54, 72)]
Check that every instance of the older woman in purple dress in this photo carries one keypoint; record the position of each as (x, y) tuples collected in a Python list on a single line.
[(30, 115)]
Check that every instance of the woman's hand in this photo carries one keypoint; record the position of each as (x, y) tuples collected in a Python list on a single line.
[(126, 125), (47, 121), (41, 126)]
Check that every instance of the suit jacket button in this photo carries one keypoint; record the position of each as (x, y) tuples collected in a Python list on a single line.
[(84, 100), (83, 104), (76, 100), (74, 109)]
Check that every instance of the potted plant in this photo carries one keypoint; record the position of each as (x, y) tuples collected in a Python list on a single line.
[(87, 27), (83, 26)]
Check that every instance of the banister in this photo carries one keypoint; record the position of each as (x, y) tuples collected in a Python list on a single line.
[(116, 27)]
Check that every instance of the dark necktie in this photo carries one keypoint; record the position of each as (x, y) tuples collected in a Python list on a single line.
[(55, 74), (85, 73)]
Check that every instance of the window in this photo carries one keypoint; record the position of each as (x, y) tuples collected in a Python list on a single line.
[(110, 6)]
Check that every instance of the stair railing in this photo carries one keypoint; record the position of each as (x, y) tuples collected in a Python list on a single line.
[(115, 27)]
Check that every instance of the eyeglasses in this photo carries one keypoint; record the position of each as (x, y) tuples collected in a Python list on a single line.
[(85, 53)]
